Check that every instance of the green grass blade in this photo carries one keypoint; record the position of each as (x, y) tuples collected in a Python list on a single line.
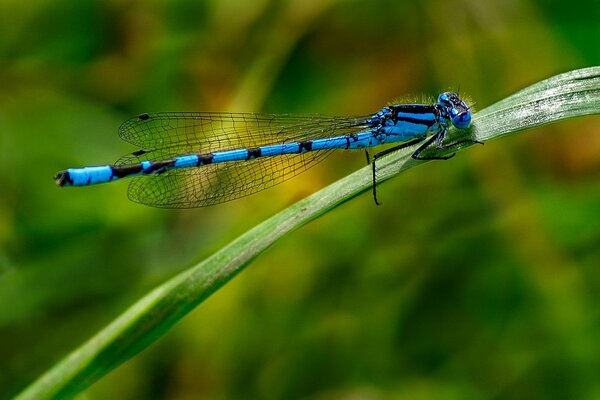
[(564, 96)]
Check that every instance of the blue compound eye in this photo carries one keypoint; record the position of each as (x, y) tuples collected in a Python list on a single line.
[(443, 98), (462, 120)]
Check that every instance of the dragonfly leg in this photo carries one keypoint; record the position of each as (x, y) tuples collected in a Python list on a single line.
[(417, 154), (385, 152), (454, 144), (368, 156), (439, 145)]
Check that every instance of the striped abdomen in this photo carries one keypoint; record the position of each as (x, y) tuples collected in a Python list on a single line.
[(106, 173)]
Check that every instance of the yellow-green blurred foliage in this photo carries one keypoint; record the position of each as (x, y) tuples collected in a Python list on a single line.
[(478, 277)]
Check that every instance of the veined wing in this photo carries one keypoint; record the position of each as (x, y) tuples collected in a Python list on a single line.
[(221, 182), (210, 132)]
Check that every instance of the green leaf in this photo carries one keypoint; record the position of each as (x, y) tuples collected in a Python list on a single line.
[(564, 96)]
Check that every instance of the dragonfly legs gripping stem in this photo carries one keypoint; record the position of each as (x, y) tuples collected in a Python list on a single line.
[(417, 154)]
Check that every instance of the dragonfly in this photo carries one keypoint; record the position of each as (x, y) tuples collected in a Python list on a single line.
[(197, 159)]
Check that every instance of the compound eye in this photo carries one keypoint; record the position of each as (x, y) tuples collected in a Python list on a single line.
[(443, 98), (462, 120)]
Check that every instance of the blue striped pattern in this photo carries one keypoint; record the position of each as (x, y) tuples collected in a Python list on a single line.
[(200, 159)]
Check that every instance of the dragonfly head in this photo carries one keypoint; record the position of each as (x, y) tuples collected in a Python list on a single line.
[(458, 111)]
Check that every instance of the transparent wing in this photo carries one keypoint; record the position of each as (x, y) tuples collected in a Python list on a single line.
[(218, 183), (168, 135), (223, 131)]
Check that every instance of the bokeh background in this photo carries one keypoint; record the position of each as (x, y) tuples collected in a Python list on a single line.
[(477, 278)]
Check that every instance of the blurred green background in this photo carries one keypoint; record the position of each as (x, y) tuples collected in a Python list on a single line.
[(477, 278)]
